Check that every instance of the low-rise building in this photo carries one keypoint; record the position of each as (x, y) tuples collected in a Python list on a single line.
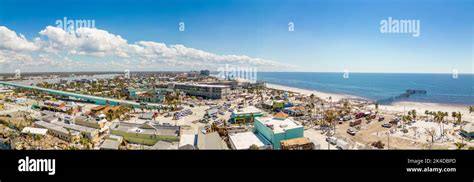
[(34, 131), (110, 145), (91, 133), (245, 115), (187, 139), (90, 122), (243, 141), (301, 143), (58, 131), (468, 131), (146, 133), (210, 141), (277, 129)]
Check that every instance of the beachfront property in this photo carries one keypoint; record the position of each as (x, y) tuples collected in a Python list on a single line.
[(202, 90), (147, 133), (276, 129), (468, 131), (245, 115), (243, 141)]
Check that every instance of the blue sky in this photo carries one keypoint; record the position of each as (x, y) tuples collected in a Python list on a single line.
[(329, 35)]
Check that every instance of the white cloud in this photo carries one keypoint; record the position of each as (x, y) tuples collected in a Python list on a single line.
[(54, 44), (9, 40)]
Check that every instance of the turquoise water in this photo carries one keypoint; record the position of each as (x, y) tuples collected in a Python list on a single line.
[(441, 88)]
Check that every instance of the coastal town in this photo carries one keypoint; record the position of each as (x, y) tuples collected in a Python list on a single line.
[(197, 111)]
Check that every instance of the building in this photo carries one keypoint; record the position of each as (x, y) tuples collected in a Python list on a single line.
[(162, 145), (110, 145), (34, 131), (147, 95), (49, 118), (147, 116), (91, 133), (210, 141), (245, 115), (243, 141), (301, 143), (58, 131), (53, 105), (203, 90), (468, 131), (277, 129), (187, 141), (91, 122), (146, 133)]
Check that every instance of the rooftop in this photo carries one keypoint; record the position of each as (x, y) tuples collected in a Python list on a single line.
[(187, 139), (242, 141), (247, 110), (110, 144), (279, 125), (296, 141), (36, 131), (50, 126), (144, 129), (203, 85), (76, 127)]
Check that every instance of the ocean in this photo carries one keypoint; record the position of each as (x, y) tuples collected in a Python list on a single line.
[(441, 88)]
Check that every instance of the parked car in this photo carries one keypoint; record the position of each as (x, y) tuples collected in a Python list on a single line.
[(387, 125), (351, 131), (381, 118)]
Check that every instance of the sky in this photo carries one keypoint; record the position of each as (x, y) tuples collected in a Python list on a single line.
[(327, 36)]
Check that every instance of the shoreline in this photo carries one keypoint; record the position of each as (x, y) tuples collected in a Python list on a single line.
[(395, 107), (323, 95)]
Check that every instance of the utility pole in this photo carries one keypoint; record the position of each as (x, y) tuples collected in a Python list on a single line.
[(388, 138)]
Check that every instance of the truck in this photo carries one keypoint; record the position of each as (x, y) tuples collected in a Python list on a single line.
[(355, 123), (342, 145), (332, 140)]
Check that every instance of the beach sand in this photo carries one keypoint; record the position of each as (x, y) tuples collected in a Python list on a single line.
[(322, 95), (421, 107), (397, 107)]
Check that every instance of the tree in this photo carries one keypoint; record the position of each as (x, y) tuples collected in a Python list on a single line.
[(432, 133), (253, 147), (330, 118)]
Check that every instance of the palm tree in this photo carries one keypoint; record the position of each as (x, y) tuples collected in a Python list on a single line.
[(330, 118), (413, 114)]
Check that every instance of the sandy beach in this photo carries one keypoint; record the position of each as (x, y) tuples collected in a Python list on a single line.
[(322, 95), (396, 107), (421, 107)]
